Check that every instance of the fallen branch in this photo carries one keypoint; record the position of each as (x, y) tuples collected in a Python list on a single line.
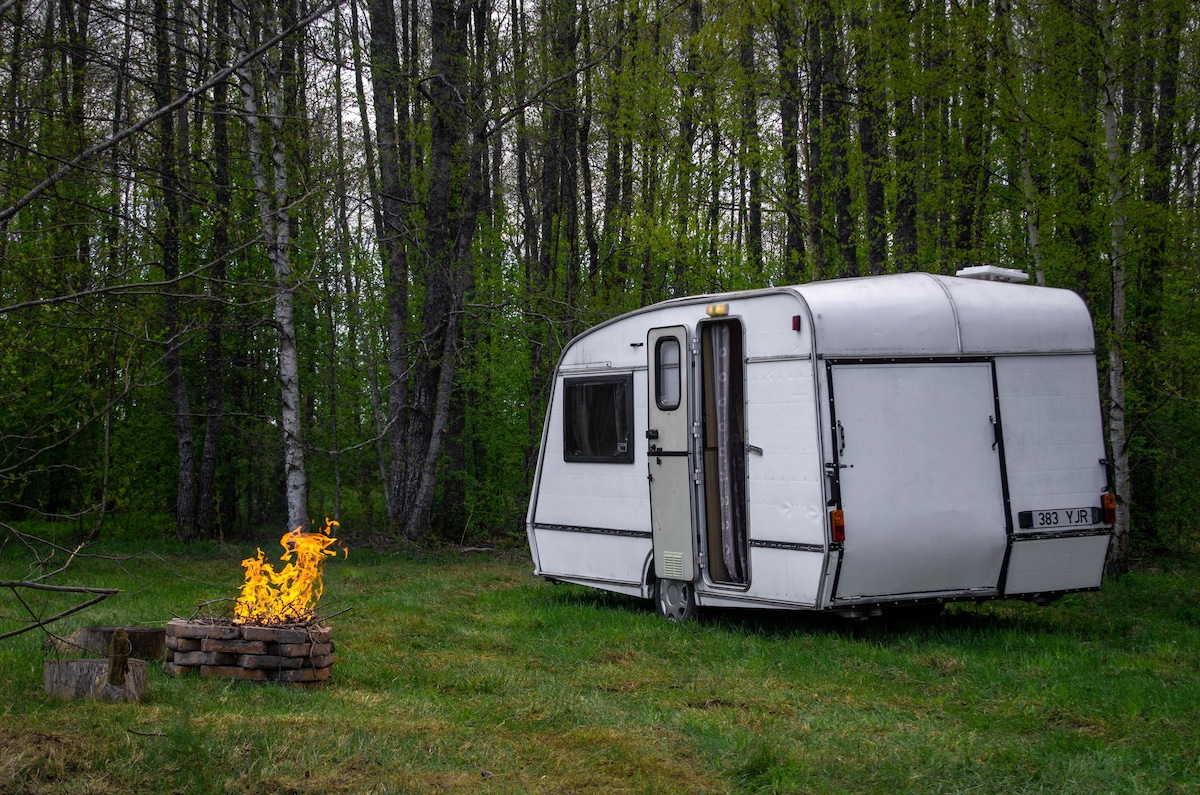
[(100, 594), (40, 586)]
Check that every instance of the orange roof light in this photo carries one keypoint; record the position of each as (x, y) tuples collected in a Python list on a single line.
[(717, 310)]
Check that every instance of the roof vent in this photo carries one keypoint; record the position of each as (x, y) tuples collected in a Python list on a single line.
[(992, 273)]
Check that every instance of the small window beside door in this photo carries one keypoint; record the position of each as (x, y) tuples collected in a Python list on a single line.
[(667, 374), (598, 419)]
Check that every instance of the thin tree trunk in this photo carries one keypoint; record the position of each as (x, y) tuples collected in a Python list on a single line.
[(835, 116), (185, 496), (905, 159), (377, 412), (787, 48), (273, 214), (872, 111), (1118, 439), (214, 357), (616, 164), (391, 114), (815, 134), (753, 152), (584, 157), (972, 177), (1032, 231)]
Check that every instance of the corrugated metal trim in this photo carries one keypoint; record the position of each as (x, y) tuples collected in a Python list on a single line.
[(787, 545), (783, 357), (1044, 536), (604, 531)]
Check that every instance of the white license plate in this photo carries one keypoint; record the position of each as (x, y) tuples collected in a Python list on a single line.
[(1058, 518)]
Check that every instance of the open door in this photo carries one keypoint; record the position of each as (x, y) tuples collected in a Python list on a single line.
[(668, 441), (723, 443)]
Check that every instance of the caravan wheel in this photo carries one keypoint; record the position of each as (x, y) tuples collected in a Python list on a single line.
[(676, 599)]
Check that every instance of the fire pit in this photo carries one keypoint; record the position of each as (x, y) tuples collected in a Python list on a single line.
[(295, 654), (275, 635)]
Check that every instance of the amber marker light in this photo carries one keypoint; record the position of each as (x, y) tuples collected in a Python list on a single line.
[(717, 310), (837, 526)]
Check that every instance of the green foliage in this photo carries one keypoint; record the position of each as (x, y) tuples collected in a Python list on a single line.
[(629, 147)]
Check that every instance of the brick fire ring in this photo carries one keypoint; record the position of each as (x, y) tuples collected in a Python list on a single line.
[(294, 654)]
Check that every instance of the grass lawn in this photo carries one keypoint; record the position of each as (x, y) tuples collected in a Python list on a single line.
[(466, 674)]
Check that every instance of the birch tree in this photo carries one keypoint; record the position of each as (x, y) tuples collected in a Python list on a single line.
[(261, 84), (1117, 434)]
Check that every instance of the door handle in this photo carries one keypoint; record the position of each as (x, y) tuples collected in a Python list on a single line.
[(995, 432), (841, 432)]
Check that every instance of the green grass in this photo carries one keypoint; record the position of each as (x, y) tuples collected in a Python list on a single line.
[(467, 674)]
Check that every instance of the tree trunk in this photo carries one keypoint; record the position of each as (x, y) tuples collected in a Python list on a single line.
[(214, 357), (1117, 434), (1155, 261), (872, 98), (391, 114), (973, 176), (185, 495), (814, 134), (905, 163), (457, 149), (585, 163), (273, 214), (377, 413), (788, 49), (835, 117), (752, 152)]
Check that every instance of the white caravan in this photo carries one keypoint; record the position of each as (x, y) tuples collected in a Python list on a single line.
[(842, 446)]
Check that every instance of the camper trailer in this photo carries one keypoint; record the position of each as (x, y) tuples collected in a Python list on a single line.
[(846, 446)]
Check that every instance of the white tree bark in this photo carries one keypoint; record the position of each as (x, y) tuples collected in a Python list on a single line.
[(272, 205), (1117, 434)]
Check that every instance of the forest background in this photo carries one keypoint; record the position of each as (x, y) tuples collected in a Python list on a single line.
[(262, 261)]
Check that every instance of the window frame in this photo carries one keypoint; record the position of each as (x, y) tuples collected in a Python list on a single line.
[(659, 372), (569, 384)]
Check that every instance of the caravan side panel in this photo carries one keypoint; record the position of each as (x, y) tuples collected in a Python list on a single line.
[(591, 521), (785, 490), (1054, 444), (614, 562)]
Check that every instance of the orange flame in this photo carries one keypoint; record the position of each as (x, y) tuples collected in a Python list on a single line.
[(289, 595)]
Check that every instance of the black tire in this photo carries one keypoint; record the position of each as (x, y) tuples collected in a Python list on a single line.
[(676, 600)]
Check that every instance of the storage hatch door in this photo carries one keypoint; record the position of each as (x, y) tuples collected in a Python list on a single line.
[(919, 462)]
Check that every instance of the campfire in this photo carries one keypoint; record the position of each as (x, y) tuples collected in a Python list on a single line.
[(289, 595), (275, 634)]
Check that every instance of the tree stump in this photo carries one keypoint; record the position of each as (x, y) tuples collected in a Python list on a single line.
[(145, 643), (117, 678)]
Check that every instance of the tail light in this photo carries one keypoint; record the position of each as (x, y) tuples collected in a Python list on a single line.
[(837, 526), (1109, 502)]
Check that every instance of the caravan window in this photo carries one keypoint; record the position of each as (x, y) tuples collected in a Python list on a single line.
[(598, 419), (666, 376)]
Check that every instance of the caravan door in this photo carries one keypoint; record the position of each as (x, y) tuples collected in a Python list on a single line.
[(918, 456), (668, 435)]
